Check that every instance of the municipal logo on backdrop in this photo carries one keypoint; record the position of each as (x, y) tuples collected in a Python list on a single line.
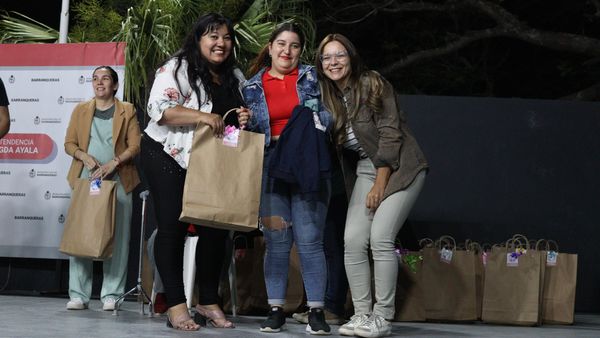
[(11, 79), (47, 195), (61, 218), (41, 173), (32, 173), (62, 99), (81, 79), (45, 120)]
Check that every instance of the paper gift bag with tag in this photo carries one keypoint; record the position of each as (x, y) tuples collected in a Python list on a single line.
[(513, 285), (479, 256), (250, 282), (223, 180), (409, 291), (560, 281), (90, 225), (448, 279)]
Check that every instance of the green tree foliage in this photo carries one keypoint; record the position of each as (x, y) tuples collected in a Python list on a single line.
[(94, 22), (154, 29)]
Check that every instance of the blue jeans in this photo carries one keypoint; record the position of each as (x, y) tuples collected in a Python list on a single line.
[(288, 216)]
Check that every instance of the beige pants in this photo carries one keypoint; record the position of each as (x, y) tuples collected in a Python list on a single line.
[(378, 231)]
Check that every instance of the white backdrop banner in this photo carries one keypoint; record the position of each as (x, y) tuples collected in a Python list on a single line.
[(43, 82)]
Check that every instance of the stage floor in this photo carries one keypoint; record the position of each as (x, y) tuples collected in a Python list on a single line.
[(23, 316)]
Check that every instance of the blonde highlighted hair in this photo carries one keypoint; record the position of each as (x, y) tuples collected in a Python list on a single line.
[(366, 86)]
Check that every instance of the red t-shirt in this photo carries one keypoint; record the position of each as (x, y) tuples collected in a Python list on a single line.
[(282, 97)]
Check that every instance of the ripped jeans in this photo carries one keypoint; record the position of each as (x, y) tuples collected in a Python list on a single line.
[(287, 217)]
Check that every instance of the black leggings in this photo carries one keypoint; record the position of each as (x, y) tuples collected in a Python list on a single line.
[(166, 180)]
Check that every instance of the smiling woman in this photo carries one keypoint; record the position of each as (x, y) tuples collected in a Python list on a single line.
[(281, 94), (198, 84), (89, 140)]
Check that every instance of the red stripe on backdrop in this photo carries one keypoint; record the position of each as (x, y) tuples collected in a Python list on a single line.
[(46, 54)]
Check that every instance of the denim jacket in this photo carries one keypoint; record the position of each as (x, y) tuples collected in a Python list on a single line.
[(309, 95)]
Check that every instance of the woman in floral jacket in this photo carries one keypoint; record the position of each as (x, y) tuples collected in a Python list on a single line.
[(197, 85)]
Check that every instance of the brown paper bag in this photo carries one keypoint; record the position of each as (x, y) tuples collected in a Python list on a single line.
[(409, 292), (223, 183), (560, 281), (512, 291), (250, 281), (90, 225), (449, 282), (479, 253)]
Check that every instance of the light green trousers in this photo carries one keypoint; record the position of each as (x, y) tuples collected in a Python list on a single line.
[(378, 231)]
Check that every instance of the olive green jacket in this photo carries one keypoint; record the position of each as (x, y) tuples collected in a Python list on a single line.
[(387, 140)]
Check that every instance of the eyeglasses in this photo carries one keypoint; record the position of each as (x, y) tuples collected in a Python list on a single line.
[(328, 58)]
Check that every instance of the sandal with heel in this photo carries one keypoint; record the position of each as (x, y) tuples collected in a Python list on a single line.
[(216, 318), (182, 321)]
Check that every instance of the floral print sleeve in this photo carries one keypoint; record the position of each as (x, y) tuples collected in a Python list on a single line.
[(166, 92)]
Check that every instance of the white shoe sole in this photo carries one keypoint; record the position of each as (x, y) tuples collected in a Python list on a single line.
[(108, 307), (268, 329), (79, 306), (368, 334), (345, 331)]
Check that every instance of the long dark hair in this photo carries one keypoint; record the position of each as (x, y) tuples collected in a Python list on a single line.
[(263, 59), (198, 66), (366, 85)]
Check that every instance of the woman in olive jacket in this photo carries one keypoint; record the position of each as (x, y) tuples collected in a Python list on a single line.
[(388, 172)]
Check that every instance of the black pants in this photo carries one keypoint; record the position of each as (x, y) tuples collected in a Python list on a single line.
[(166, 180), (210, 253)]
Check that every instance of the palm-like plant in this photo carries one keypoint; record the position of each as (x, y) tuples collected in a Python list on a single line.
[(19, 28), (153, 30), (149, 35)]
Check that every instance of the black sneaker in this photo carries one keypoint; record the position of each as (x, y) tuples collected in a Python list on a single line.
[(275, 322), (316, 322)]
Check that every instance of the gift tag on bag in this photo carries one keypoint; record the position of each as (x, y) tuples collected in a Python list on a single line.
[(446, 256), (512, 259), (231, 136), (95, 186), (551, 258)]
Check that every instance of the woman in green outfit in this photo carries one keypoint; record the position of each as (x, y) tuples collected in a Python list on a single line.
[(103, 137)]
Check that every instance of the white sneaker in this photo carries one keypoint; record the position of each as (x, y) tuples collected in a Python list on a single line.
[(108, 304), (356, 320), (76, 304), (375, 326)]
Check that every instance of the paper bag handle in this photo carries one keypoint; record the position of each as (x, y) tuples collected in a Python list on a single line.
[(425, 242), (449, 242)]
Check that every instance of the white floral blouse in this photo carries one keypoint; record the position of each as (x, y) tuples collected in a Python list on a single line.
[(165, 94)]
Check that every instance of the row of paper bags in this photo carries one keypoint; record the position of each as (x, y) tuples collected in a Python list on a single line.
[(520, 283)]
